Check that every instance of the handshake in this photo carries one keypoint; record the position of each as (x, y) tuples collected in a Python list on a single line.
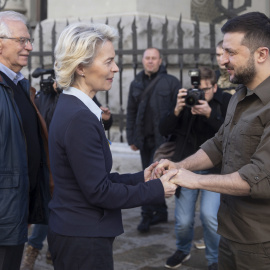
[(171, 176)]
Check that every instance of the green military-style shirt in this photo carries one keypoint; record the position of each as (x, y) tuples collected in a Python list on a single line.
[(243, 144)]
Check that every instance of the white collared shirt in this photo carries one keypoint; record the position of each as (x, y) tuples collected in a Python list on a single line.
[(89, 103)]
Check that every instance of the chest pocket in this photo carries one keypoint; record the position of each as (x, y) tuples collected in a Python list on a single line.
[(250, 137)]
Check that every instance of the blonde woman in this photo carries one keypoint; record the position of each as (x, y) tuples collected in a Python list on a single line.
[(86, 206)]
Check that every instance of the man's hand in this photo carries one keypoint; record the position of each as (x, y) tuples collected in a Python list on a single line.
[(180, 102), (162, 167), (106, 113), (134, 147), (186, 178), (149, 170), (202, 109), (169, 188)]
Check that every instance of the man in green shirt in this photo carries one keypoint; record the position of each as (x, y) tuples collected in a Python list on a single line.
[(242, 146)]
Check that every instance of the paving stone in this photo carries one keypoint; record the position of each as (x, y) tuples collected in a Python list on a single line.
[(148, 251)]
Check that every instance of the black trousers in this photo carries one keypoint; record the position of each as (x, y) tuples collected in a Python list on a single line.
[(81, 253), (236, 256), (11, 257)]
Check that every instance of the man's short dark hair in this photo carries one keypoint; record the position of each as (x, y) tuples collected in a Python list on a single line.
[(254, 25), (207, 73)]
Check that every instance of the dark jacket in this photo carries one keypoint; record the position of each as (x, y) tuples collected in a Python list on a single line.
[(88, 198), (46, 103), (201, 128), (14, 183), (162, 97)]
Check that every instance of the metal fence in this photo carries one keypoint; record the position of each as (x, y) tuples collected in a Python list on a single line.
[(195, 51)]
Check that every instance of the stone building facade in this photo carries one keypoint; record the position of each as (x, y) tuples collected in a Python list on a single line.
[(125, 13)]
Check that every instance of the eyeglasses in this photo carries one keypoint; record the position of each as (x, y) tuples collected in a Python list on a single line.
[(206, 89), (22, 40)]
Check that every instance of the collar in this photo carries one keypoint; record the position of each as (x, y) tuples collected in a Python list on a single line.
[(161, 70), (89, 103), (249, 92), (15, 77), (149, 78), (262, 91)]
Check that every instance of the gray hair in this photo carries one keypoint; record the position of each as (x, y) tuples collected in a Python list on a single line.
[(78, 45), (9, 16)]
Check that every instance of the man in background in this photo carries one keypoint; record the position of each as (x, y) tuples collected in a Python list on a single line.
[(151, 94), (224, 84), (223, 77)]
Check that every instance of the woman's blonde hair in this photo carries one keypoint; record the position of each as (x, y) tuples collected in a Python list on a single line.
[(78, 45)]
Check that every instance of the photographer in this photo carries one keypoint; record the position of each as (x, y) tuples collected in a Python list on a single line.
[(196, 117)]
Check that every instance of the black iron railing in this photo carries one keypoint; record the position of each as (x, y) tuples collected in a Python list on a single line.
[(196, 50)]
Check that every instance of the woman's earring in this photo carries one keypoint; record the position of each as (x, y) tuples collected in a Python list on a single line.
[(82, 75)]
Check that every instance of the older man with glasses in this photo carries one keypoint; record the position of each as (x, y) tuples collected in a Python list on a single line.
[(24, 173), (191, 122)]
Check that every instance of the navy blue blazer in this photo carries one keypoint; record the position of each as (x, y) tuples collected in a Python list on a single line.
[(88, 199)]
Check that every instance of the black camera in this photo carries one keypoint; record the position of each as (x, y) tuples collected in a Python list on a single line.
[(46, 85), (195, 94)]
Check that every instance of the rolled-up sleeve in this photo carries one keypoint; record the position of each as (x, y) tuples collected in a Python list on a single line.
[(259, 181), (257, 172)]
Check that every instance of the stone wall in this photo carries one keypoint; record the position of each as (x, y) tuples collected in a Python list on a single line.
[(128, 72), (117, 12)]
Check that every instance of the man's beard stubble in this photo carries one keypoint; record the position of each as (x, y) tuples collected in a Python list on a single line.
[(245, 74)]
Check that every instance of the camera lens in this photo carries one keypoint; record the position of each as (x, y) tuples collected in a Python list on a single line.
[(192, 97), (191, 101)]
